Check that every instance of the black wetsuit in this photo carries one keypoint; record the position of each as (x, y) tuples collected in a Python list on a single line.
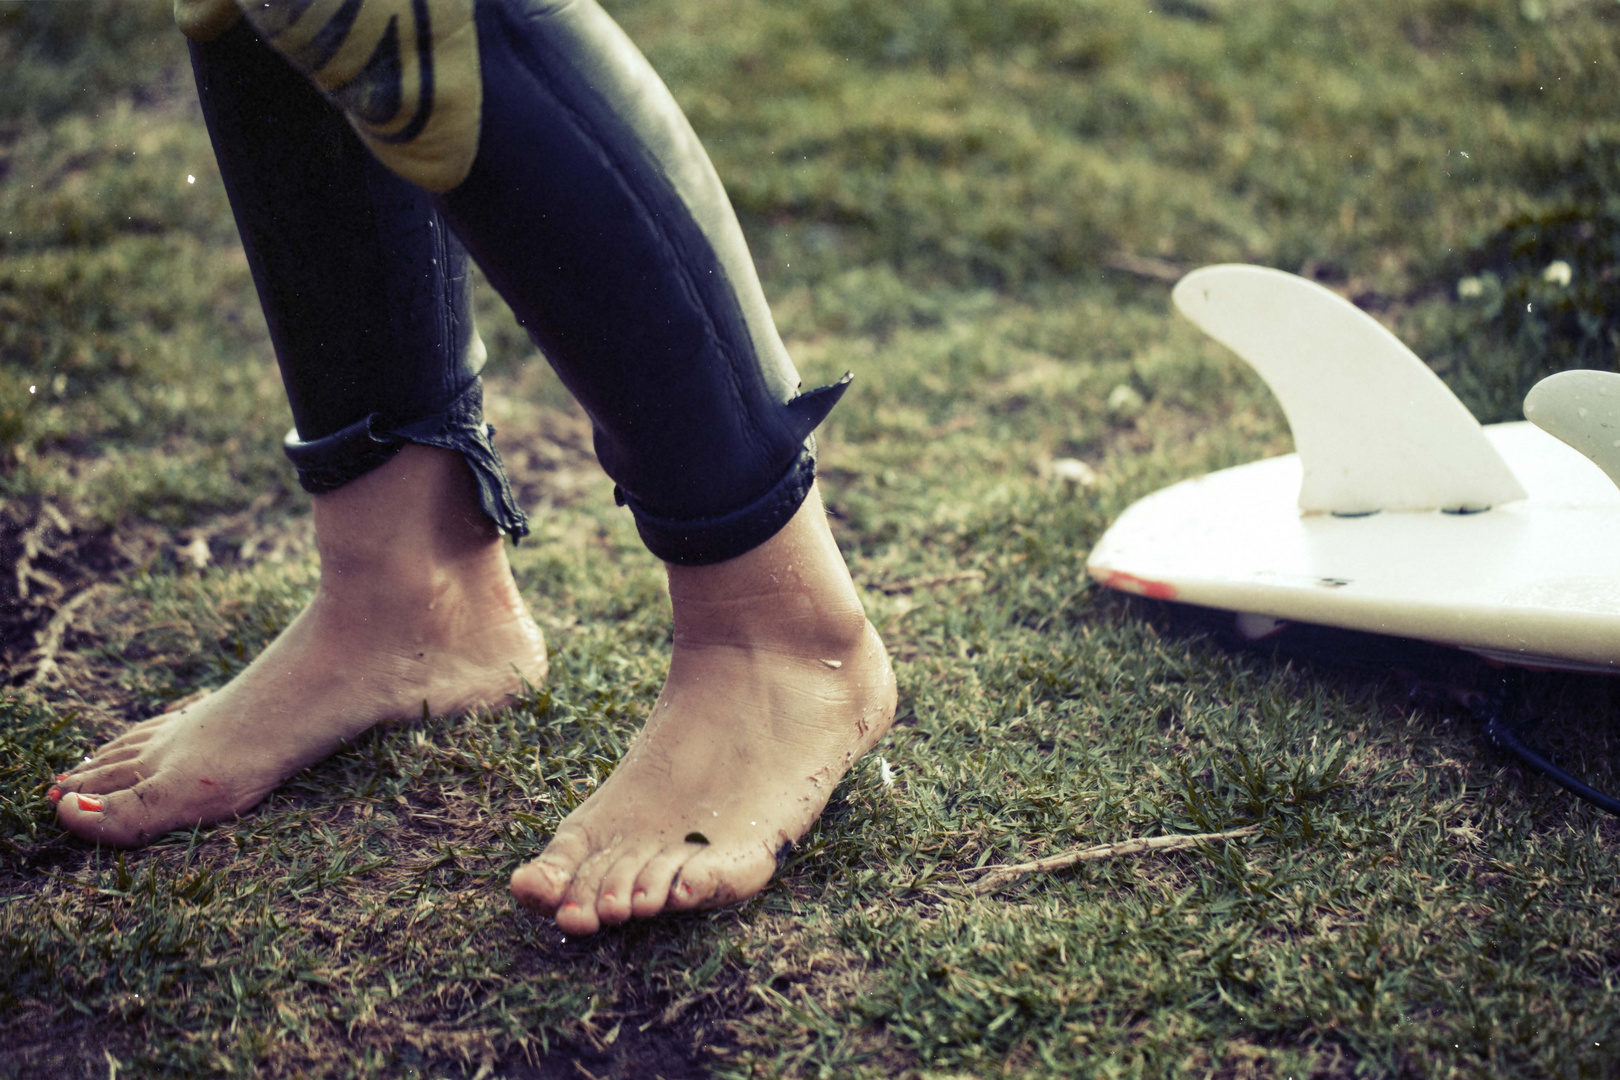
[(560, 161)]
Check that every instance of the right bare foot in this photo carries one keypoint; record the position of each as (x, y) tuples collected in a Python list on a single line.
[(416, 604), (777, 684)]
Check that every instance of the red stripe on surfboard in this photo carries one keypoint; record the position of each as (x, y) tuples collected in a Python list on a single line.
[(1141, 586)]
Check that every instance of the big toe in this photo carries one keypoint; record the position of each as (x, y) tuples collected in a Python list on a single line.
[(542, 883), (118, 818)]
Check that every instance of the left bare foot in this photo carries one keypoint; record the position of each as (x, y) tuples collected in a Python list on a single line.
[(416, 608), (777, 684)]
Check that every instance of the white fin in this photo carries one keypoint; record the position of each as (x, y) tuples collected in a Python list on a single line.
[(1583, 409), (1375, 428)]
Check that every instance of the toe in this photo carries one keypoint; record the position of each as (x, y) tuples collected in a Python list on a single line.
[(576, 918), (577, 915), (613, 897), (107, 778), (112, 755), (691, 887), (122, 818), (126, 745), (650, 893), (542, 883), (712, 878)]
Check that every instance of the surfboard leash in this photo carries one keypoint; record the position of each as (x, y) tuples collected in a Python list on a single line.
[(1494, 710), (1439, 675)]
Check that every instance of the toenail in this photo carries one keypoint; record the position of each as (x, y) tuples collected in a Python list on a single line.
[(570, 904), (609, 896), (87, 803), (638, 892), (62, 776), (55, 794)]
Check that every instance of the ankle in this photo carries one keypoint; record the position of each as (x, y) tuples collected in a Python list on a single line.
[(793, 590), (414, 515)]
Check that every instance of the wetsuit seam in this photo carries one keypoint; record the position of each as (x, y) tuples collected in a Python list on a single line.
[(538, 70)]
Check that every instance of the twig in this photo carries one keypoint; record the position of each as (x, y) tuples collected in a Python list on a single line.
[(32, 542), (50, 638), (1141, 266), (905, 585), (997, 876)]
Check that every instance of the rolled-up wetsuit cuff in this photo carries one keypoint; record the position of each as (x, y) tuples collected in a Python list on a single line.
[(328, 463), (700, 541)]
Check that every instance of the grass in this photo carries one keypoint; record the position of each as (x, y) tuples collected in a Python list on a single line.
[(940, 194)]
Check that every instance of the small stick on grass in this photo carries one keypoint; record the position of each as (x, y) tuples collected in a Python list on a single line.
[(997, 876), (50, 639), (905, 585)]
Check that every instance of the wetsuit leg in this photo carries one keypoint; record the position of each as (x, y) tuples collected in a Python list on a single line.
[(592, 208), (366, 291)]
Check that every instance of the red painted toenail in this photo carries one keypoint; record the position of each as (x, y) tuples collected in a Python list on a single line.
[(568, 905), (87, 803), (55, 794), (609, 896), (638, 892)]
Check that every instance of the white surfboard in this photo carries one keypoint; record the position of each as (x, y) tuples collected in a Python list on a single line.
[(1400, 514)]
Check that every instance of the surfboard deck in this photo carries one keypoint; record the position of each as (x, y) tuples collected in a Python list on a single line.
[(1516, 557), (1534, 582)]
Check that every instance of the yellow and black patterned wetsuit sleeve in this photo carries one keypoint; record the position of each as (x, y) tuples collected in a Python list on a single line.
[(405, 72)]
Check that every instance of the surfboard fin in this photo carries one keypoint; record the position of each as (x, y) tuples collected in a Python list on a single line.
[(1582, 408), (1374, 427)]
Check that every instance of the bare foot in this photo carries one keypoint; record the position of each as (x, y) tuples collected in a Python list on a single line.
[(777, 684), (416, 604)]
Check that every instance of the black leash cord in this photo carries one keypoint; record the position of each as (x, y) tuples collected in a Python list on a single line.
[(1504, 737)]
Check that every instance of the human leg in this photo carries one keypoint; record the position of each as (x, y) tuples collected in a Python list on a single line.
[(365, 294), (777, 684), (591, 207), (630, 270)]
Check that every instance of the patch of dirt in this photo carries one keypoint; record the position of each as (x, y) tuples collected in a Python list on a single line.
[(672, 1053), (55, 570), (61, 574), (78, 1049), (60, 569)]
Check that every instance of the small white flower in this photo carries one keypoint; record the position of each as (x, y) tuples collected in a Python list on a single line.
[(885, 773), (1557, 273), (1074, 471), (190, 179), (1124, 401), (1470, 287)]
